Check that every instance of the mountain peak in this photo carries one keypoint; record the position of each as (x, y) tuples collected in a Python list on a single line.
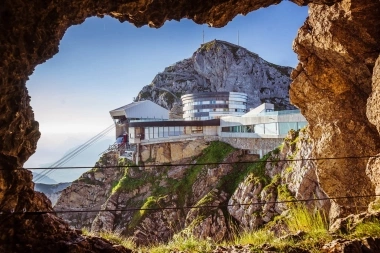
[(221, 66)]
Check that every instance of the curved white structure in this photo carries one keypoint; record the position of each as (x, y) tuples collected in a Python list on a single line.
[(213, 105)]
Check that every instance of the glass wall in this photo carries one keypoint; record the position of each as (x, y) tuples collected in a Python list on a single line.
[(260, 128), (271, 128), (275, 128), (284, 127), (163, 132)]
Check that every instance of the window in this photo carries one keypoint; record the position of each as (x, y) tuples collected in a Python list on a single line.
[(286, 126), (171, 131), (196, 129), (181, 130), (225, 129)]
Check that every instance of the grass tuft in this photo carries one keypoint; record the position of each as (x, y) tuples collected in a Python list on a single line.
[(313, 223), (113, 237), (256, 238), (368, 228), (184, 241)]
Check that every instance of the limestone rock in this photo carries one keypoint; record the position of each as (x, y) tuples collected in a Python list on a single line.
[(172, 152), (152, 187), (373, 114), (221, 66), (89, 192), (353, 246), (337, 47), (283, 180)]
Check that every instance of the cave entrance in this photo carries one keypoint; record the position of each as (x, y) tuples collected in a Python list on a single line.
[(103, 64)]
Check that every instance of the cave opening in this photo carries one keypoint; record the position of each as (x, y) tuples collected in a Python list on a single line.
[(103, 64), (338, 48)]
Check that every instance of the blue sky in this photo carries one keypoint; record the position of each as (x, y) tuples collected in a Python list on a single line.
[(102, 64)]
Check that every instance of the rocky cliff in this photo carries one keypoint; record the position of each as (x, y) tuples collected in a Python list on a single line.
[(239, 193), (221, 66)]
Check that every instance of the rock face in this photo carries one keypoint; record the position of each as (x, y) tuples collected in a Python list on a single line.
[(251, 191), (337, 48), (221, 66), (154, 187), (277, 180), (90, 191)]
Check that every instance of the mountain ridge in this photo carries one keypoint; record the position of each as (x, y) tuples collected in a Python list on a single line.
[(221, 66)]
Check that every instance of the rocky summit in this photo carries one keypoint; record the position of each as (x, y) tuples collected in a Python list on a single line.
[(221, 66)]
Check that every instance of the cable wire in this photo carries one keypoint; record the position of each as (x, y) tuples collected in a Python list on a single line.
[(189, 207), (204, 164), (73, 153)]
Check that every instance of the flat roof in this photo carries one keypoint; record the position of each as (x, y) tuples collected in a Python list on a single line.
[(161, 123)]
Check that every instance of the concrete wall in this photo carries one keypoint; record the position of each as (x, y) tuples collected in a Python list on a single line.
[(255, 146)]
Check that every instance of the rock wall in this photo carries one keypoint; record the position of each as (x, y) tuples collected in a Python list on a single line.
[(173, 152), (251, 191), (337, 48), (190, 183), (279, 179), (90, 191), (373, 114)]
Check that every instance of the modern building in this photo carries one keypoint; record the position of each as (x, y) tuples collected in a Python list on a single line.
[(258, 131), (213, 105), (262, 122), (137, 111)]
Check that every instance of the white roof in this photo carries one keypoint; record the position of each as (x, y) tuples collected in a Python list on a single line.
[(261, 108), (141, 109)]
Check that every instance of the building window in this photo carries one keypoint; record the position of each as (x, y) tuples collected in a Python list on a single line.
[(160, 132), (225, 129), (196, 130)]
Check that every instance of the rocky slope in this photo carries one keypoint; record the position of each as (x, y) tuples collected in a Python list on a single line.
[(221, 66), (237, 193), (89, 192)]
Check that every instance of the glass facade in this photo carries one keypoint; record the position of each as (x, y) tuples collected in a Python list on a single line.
[(161, 132), (277, 128)]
